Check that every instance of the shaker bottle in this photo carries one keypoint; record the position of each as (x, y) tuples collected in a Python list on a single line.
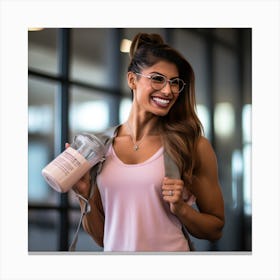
[(67, 168)]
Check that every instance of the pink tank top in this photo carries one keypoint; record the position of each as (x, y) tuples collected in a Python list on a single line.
[(136, 216)]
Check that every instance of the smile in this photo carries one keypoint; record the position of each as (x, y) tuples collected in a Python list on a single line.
[(161, 102)]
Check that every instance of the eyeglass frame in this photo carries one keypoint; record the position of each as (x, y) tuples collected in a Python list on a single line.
[(165, 79)]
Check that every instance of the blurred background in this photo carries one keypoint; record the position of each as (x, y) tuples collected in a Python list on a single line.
[(77, 82)]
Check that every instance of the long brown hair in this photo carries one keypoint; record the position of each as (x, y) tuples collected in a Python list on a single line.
[(181, 127)]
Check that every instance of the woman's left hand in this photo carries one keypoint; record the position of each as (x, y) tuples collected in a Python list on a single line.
[(172, 191)]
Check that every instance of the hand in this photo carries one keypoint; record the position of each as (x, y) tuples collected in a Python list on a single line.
[(82, 187), (172, 191)]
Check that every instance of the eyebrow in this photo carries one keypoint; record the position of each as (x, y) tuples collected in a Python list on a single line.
[(176, 77)]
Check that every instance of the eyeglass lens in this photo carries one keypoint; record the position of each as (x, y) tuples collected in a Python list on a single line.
[(158, 82)]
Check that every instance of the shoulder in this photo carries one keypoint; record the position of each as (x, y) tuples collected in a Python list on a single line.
[(108, 134), (203, 146), (205, 154), (111, 131)]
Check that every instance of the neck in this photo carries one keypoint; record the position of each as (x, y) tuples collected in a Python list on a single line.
[(142, 126)]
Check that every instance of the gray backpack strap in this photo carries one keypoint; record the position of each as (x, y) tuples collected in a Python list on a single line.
[(171, 168), (107, 138), (172, 171)]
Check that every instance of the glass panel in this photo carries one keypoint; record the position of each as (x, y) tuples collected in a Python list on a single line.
[(42, 50), (43, 230), (41, 95), (236, 174), (192, 47), (228, 144), (40, 119), (247, 180), (89, 111), (204, 116), (247, 65), (228, 35), (226, 75), (125, 107), (227, 92), (89, 61), (38, 191), (247, 140), (125, 90), (224, 120), (246, 123)]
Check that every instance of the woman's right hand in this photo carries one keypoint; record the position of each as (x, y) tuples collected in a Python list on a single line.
[(82, 187)]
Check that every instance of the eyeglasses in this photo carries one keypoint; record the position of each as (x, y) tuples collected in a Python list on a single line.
[(159, 81)]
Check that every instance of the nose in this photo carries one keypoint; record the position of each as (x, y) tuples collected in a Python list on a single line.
[(166, 90)]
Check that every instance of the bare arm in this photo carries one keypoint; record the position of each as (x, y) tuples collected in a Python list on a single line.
[(93, 221), (209, 221)]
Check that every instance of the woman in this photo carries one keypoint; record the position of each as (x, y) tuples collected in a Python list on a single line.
[(135, 207)]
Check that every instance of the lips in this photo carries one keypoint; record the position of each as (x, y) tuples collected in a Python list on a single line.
[(162, 102)]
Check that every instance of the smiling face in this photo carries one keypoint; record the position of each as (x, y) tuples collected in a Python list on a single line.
[(146, 98)]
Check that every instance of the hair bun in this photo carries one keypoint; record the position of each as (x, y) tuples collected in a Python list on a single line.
[(144, 39)]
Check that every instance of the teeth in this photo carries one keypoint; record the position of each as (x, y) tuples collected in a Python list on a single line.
[(162, 101)]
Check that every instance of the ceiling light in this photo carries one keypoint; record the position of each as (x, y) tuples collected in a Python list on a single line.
[(125, 45), (35, 29)]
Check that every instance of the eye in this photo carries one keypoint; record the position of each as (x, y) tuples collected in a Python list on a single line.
[(158, 79), (175, 82)]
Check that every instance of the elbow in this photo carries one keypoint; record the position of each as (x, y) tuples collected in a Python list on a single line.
[(217, 231), (213, 233), (216, 236)]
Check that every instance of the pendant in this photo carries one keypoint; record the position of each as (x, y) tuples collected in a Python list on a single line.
[(136, 147)]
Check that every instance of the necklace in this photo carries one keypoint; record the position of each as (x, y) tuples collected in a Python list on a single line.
[(135, 145)]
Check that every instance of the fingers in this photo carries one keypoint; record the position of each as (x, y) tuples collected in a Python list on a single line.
[(170, 181), (172, 189), (67, 145), (172, 196), (83, 185)]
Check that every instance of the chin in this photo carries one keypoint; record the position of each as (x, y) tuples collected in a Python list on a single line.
[(160, 113)]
